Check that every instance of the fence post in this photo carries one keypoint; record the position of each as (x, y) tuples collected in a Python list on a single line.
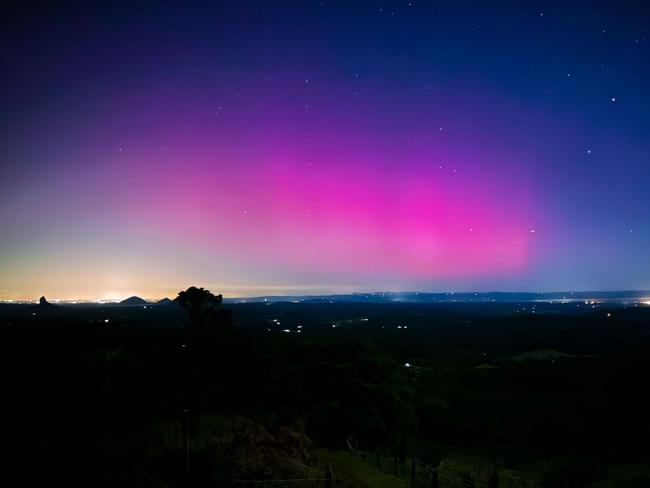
[(330, 477), (493, 482), (434, 479), (186, 439)]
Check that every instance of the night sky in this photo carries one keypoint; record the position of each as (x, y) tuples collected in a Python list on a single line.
[(312, 147)]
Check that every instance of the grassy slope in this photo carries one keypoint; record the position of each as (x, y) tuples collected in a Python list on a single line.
[(357, 472)]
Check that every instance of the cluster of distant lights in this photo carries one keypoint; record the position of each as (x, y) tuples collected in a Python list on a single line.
[(594, 302), (334, 326), (590, 302), (62, 301), (276, 322)]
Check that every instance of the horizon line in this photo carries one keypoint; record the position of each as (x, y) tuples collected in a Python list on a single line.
[(153, 300)]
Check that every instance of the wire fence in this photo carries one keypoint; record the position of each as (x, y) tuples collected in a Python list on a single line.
[(326, 480), (417, 474), (287, 483), (412, 472)]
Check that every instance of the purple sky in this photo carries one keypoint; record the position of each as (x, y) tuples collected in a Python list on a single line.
[(310, 149)]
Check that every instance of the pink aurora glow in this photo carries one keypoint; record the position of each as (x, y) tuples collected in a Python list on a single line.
[(326, 215)]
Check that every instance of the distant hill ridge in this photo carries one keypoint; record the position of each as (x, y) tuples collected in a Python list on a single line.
[(623, 296), (134, 300), (463, 297)]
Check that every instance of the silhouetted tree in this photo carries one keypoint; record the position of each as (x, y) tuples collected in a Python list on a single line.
[(203, 307)]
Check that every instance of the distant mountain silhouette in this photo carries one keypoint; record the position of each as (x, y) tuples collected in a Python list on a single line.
[(43, 301), (165, 301), (133, 301), (622, 296)]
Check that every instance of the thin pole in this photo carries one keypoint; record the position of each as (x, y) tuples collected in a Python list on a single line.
[(186, 439)]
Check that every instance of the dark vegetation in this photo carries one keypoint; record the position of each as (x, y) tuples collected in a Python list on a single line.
[(197, 393)]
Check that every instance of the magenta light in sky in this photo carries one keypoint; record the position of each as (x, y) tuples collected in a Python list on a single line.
[(285, 152), (324, 195)]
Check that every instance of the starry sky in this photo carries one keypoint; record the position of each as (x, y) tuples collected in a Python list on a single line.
[(323, 147)]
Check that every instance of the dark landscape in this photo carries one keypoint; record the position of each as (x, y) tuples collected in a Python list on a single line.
[(472, 394)]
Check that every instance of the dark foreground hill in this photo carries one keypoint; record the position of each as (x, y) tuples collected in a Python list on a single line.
[(113, 395)]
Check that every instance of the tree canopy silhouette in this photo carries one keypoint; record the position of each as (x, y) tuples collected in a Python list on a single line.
[(203, 307)]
